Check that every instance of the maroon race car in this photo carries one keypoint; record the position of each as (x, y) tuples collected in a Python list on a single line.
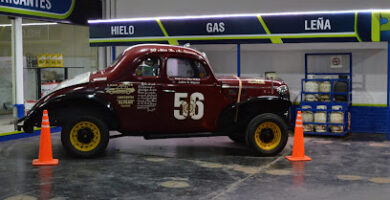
[(162, 91)]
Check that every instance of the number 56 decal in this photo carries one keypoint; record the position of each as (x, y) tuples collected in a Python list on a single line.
[(193, 109)]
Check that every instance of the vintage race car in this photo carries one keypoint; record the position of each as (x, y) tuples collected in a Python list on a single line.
[(163, 91)]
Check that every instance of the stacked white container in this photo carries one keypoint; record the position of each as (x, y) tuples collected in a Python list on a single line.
[(325, 86), (336, 116), (307, 116), (311, 86), (320, 117)]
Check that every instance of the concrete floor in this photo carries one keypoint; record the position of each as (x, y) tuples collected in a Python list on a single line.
[(357, 167), (6, 123)]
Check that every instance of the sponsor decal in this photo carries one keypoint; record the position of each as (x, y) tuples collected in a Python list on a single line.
[(100, 79), (147, 97), (125, 101), (164, 50), (256, 81), (122, 92), (193, 81), (115, 89), (189, 82)]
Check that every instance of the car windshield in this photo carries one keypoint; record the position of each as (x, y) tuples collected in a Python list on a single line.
[(205, 56)]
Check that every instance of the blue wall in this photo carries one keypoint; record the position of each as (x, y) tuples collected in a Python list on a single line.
[(364, 119)]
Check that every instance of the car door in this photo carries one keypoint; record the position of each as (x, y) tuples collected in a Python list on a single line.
[(190, 96), (136, 99)]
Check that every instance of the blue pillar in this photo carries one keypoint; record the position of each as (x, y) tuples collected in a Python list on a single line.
[(19, 110), (388, 94), (113, 54), (238, 60)]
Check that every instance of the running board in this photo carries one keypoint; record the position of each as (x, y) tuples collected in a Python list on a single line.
[(179, 135)]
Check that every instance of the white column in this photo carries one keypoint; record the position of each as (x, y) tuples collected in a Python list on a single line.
[(102, 63), (104, 53), (17, 60), (108, 56), (113, 16)]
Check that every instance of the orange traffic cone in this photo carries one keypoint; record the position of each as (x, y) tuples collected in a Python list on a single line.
[(298, 153), (45, 152)]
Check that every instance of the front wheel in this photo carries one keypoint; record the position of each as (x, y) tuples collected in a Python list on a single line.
[(85, 136), (238, 138), (266, 134)]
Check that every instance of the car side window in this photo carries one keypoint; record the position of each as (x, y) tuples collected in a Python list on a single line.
[(185, 68), (148, 67)]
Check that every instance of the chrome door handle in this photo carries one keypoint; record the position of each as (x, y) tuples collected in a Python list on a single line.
[(169, 91)]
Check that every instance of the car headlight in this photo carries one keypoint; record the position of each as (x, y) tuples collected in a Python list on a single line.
[(282, 90)]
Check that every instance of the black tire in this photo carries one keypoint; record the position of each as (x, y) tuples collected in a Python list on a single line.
[(266, 134), (89, 138), (238, 138)]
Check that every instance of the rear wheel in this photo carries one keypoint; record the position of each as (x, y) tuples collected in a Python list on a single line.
[(85, 136), (266, 134)]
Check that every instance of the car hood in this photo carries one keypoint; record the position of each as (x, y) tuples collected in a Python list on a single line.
[(79, 79), (248, 81)]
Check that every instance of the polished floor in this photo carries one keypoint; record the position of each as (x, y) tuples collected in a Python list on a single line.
[(6, 123), (357, 167)]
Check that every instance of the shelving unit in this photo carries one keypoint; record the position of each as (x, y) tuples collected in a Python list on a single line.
[(39, 77), (327, 128)]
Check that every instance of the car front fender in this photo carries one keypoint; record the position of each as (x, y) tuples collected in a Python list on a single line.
[(61, 107)]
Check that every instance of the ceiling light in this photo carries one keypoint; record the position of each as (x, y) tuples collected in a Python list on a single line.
[(235, 15), (31, 24)]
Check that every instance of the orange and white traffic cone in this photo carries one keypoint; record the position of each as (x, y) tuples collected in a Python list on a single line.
[(45, 151), (298, 153)]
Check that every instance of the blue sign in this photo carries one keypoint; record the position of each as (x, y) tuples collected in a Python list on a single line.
[(314, 23), (213, 26), (54, 9), (126, 29), (267, 28)]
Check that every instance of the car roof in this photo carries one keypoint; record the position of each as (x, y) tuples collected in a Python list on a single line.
[(163, 48)]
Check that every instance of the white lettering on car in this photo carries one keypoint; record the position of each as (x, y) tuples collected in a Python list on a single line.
[(193, 109), (147, 97)]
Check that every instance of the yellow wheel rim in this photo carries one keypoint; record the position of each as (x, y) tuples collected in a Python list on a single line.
[(85, 136), (268, 135)]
